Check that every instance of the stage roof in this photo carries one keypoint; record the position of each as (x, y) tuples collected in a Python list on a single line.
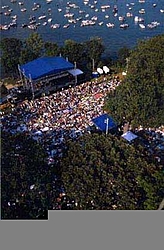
[(45, 66), (101, 122)]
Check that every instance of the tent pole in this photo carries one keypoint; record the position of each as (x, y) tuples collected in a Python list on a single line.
[(107, 123), (20, 74), (76, 75), (25, 78), (93, 64), (32, 87)]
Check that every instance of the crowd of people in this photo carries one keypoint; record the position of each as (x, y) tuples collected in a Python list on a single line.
[(65, 114), (153, 140)]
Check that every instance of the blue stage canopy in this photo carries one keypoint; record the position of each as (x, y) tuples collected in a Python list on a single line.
[(101, 122), (45, 66)]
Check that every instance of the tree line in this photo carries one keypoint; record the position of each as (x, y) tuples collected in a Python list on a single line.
[(16, 51)]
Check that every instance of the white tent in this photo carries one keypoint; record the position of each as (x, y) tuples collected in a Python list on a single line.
[(106, 69), (129, 136), (75, 72), (100, 71)]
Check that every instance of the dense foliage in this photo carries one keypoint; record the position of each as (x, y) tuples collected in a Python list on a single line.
[(102, 172), (11, 48), (98, 172), (140, 99), (23, 164)]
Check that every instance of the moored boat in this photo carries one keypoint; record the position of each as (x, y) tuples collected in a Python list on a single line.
[(55, 26), (65, 26), (142, 11), (110, 25), (100, 23), (42, 17), (124, 26), (23, 10), (142, 26)]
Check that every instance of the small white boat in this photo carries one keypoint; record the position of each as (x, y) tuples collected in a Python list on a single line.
[(121, 18), (24, 10), (69, 15), (55, 26), (66, 26), (14, 17), (32, 27), (124, 26), (105, 6), (129, 14), (49, 20), (48, 1), (142, 26), (78, 18), (41, 17), (34, 8), (138, 19), (94, 18), (71, 20), (45, 23), (86, 2), (92, 6), (142, 11), (110, 25)]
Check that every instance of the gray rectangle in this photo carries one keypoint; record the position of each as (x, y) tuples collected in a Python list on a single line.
[(86, 230)]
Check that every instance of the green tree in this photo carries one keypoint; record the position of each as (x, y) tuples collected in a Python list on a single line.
[(26, 55), (94, 49), (123, 54), (102, 172), (11, 49), (140, 99), (34, 47), (23, 164), (73, 50), (51, 49)]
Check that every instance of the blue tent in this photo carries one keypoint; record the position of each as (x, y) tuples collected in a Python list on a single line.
[(101, 122), (45, 66)]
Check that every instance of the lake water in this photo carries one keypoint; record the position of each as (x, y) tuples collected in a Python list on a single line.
[(113, 38)]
